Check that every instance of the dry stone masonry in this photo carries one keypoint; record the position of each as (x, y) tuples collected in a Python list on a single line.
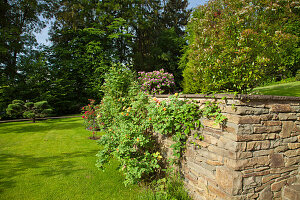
[(256, 155)]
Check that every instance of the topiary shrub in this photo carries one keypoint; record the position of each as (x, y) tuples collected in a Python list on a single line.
[(29, 110)]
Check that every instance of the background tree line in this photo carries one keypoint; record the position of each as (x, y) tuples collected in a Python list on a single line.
[(87, 37), (224, 46)]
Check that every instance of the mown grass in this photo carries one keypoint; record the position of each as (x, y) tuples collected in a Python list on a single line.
[(55, 160), (284, 89)]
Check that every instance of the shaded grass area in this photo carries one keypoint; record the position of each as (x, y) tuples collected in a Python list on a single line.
[(53, 159), (285, 89)]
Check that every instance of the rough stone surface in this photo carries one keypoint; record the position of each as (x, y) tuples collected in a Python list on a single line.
[(266, 194), (255, 155), (276, 160)]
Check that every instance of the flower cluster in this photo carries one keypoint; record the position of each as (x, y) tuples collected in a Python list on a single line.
[(89, 116), (157, 82)]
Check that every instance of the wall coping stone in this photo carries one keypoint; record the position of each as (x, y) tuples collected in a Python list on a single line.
[(232, 96)]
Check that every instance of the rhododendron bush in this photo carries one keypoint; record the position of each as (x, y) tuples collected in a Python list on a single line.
[(157, 82)]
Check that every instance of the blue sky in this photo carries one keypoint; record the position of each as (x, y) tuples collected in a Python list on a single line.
[(195, 3), (42, 37)]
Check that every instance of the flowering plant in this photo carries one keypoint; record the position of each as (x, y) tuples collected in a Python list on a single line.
[(127, 135), (89, 116), (157, 82)]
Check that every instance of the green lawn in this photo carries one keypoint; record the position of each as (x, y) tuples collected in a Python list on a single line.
[(285, 89), (54, 159)]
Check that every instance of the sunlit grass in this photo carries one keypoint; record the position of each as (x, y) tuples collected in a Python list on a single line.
[(285, 89), (54, 159)]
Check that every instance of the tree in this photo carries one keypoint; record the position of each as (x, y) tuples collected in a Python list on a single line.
[(28, 110), (19, 21), (235, 45)]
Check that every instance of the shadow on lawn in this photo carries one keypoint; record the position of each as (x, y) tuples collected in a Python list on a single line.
[(12, 165), (37, 127)]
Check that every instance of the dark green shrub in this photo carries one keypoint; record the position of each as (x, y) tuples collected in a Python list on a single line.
[(298, 75), (16, 108), (28, 110)]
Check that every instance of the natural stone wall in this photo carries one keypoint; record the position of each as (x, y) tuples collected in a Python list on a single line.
[(253, 156)]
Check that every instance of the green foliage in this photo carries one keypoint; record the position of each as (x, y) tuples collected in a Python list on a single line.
[(16, 108), (298, 75), (212, 110), (170, 187), (236, 45), (29, 110), (123, 115), (176, 118), (89, 116), (129, 119)]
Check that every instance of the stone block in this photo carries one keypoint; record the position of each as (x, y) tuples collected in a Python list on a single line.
[(214, 162), (267, 129), (291, 180), (249, 120), (236, 164), (278, 185), (252, 196), (258, 145), (295, 109), (263, 152), (287, 116), (283, 169), (243, 155), (276, 160), (263, 186), (199, 170), (294, 145), (249, 182), (217, 193), (290, 139), (292, 153), (271, 123), (287, 128), (269, 177), (281, 148), (292, 192), (255, 174), (227, 143), (277, 195), (260, 161), (244, 129), (280, 108), (266, 117), (252, 137), (230, 181), (292, 161), (266, 194), (244, 110), (209, 155), (210, 139), (222, 152), (241, 146)]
